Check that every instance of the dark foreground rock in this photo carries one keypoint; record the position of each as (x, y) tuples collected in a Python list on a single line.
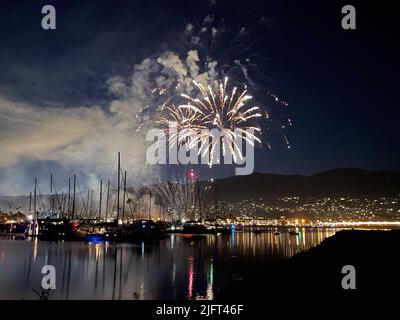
[(317, 273)]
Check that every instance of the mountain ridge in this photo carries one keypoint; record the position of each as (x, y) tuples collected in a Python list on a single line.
[(341, 182), (331, 183)]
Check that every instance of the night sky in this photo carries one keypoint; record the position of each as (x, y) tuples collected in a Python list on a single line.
[(341, 85)]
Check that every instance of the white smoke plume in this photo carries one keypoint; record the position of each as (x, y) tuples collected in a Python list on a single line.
[(86, 139)]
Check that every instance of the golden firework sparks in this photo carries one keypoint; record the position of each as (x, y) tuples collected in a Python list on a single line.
[(229, 113)]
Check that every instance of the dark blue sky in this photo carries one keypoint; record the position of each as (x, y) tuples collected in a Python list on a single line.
[(342, 86)]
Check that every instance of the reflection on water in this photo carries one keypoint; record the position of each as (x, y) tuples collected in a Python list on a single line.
[(176, 267)]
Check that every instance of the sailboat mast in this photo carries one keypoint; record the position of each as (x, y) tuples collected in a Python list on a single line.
[(91, 204), (30, 202), (73, 199), (34, 197), (69, 196), (123, 198), (101, 193), (62, 205), (108, 197), (119, 168), (199, 200), (150, 206), (161, 209), (34, 207), (51, 203), (87, 203)]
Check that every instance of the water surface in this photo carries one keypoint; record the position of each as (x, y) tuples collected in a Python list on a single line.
[(175, 267)]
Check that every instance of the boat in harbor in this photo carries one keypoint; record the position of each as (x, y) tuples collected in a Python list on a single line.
[(223, 229), (99, 231), (4, 228), (14, 229), (57, 229), (18, 228), (93, 230), (140, 230), (196, 227)]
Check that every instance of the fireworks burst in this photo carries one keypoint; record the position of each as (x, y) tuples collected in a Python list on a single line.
[(187, 122), (179, 197), (182, 196), (228, 112)]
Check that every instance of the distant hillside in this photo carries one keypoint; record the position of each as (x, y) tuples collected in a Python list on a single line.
[(332, 183)]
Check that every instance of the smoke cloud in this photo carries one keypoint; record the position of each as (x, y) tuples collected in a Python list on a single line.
[(86, 139)]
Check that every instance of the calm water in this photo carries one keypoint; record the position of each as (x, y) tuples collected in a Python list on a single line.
[(176, 267)]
